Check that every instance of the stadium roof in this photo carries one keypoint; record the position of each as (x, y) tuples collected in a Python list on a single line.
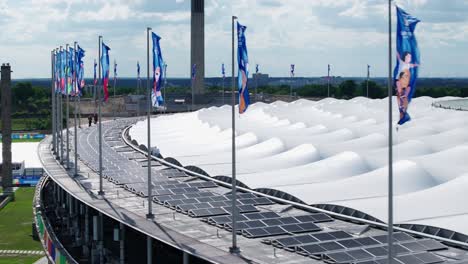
[(332, 152)]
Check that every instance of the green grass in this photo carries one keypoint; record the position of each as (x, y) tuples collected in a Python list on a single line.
[(26, 140), (15, 222), (25, 123), (19, 259)]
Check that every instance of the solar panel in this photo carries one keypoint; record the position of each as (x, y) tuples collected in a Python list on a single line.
[(367, 241), (359, 254), (428, 258), (377, 251), (432, 245), (409, 259), (323, 236), (350, 243), (206, 212), (340, 257)]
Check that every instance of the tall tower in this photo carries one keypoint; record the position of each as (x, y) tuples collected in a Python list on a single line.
[(5, 85), (197, 50)]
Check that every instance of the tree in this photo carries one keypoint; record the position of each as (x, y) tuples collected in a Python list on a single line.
[(348, 88)]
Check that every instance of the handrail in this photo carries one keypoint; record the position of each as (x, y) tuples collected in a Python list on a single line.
[(295, 204)]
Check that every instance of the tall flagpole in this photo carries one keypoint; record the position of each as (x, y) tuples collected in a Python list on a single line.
[(75, 112), (328, 80), (165, 86), (150, 214), (52, 98), (101, 191), (234, 249), (60, 113), (115, 80), (68, 108), (367, 83), (193, 86), (390, 138), (55, 110), (138, 89)]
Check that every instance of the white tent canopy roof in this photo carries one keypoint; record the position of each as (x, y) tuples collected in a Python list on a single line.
[(333, 152)]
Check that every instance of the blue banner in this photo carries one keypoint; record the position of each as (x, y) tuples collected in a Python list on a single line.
[(138, 70), (243, 73), (105, 70), (194, 71), (292, 69), (156, 95), (223, 70), (80, 65), (406, 69)]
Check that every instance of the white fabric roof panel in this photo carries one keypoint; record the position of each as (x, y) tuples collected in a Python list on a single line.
[(333, 152)]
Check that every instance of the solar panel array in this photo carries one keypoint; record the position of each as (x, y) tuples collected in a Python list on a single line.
[(302, 234)]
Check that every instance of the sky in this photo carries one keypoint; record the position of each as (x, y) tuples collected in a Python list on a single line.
[(348, 34)]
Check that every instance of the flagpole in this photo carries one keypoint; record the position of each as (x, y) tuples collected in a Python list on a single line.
[(390, 138), (367, 84), (75, 102), (223, 88), (52, 98), (101, 191), (68, 109), (60, 113), (150, 214), (234, 249), (256, 86), (328, 80), (55, 109), (115, 80), (138, 89), (290, 85), (165, 86)]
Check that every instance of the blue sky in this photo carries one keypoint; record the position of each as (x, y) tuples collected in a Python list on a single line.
[(348, 34)]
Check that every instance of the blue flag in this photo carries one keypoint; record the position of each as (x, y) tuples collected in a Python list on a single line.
[(138, 70), (115, 70), (57, 72), (156, 95), (406, 69), (95, 76), (223, 70), (292, 70), (105, 65), (80, 53), (243, 73), (256, 68), (194, 71)]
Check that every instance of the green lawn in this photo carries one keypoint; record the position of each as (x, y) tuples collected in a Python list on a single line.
[(32, 123), (19, 259), (15, 222), (26, 140)]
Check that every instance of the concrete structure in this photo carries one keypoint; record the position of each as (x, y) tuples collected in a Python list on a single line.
[(197, 50), (6, 127)]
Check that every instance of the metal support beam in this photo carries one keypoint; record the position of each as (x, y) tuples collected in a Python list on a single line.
[(185, 258), (101, 191), (149, 250), (68, 112)]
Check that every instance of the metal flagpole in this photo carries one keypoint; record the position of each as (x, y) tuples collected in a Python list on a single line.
[(328, 80), (165, 86), (55, 112), (68, 109), (75, 112), (290, 86), (256, 85), (138, 90), (234, 249), (150, 214), (367, 84), (390, 138), (115, 80), (60, 113), (98, 91), (52, 60), (223, 88)]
